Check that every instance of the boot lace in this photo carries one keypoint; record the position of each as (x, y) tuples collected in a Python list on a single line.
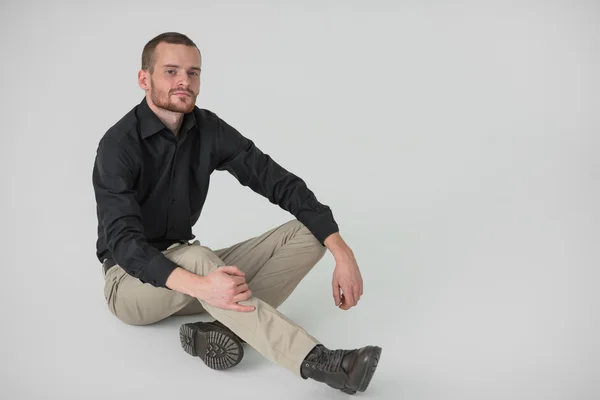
[(329, 361)]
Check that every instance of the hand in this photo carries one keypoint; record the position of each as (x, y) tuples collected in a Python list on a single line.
[(225, 287), (347, 277)]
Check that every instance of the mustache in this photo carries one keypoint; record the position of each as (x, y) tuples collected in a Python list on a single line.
[(183, 90)]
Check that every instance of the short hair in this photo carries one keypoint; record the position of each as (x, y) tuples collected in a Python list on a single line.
[(148, 59)]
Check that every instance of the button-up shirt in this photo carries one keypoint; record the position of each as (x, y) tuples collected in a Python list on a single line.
[(150, 186)]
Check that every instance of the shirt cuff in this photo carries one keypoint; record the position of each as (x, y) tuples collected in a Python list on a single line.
[(159, 270), (322, 226)]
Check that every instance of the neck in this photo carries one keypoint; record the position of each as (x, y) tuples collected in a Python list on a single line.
[(171, 119)]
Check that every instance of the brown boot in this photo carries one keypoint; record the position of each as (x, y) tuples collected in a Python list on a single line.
[(218, 348), (220, 325), (348, 370)]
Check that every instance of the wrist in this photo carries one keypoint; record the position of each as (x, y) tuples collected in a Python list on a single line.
[(338, 247), (199, 286), (186, 282)]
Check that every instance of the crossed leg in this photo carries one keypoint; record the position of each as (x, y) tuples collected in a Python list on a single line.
[(274, 262)]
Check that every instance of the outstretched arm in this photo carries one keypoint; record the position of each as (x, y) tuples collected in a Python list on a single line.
[(251, 167)]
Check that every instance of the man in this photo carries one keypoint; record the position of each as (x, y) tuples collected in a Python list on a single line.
[(151, 177)]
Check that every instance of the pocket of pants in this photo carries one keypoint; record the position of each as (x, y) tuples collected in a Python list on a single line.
[(108, 290), (110, 282)]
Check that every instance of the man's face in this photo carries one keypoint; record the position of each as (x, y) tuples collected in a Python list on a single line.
[(174, 84)]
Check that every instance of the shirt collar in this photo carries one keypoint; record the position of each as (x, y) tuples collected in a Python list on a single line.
[(150, 123)]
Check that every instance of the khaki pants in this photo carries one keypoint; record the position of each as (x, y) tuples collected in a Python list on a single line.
[(274, 263)]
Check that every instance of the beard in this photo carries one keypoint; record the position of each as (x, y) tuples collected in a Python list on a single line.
[(163, 100)]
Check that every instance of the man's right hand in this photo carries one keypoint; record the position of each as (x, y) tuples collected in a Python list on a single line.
[(225, 287)]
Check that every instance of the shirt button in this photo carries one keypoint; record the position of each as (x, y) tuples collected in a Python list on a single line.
[(172, 201)]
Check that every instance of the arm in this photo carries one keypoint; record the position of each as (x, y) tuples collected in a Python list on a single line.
[(113, 177), (251, 167), (254, 169)]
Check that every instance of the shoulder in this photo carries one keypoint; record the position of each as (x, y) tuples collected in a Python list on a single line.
[(209, 122), (206, 119), (120, 142), (123, 134), (124, 128)]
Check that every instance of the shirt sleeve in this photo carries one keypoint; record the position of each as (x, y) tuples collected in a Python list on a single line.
[(113, 177), (252, 168)]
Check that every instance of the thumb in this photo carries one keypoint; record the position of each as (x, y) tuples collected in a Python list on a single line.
[(232, 270)]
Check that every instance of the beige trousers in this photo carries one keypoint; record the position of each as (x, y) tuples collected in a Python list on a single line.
[(274, 262)]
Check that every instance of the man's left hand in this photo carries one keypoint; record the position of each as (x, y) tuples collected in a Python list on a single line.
[(347, 277)]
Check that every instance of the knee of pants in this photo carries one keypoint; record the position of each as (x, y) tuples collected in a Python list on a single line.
[(133, 321), (130, 316), (316, 246), (198, 259)]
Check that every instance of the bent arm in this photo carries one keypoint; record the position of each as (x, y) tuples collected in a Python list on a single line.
[(113, 177)]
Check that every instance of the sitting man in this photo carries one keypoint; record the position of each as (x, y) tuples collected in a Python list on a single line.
[(151, 177)]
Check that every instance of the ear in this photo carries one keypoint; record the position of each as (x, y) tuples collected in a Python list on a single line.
[(144, 79)]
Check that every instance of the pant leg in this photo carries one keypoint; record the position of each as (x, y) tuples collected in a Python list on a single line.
[(276, 261), (271, 333), (137, 303), (193, 308), (267, 330)]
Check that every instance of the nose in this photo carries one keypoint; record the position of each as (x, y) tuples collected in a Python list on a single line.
[(184, 81)]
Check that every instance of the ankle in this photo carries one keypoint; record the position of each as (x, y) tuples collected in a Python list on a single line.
[(306, 361), (316, 350)]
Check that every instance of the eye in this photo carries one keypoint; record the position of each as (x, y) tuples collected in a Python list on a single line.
[(170, 71)]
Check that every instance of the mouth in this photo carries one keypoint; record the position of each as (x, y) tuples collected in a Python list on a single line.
[(182, 93)]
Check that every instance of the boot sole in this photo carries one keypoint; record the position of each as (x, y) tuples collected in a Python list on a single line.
[(217, 348), (369, 371)]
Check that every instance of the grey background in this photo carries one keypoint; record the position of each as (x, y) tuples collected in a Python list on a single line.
[(456, 143)]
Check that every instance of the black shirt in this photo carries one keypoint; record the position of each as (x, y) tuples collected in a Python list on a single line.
[(150, 186)]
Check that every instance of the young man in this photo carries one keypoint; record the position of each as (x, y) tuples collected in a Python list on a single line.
[(151, 177)]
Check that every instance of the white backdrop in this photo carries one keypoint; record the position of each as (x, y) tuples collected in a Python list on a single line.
[(456, 144)]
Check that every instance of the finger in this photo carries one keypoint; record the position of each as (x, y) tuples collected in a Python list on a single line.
[(241, 288), (239, 307), (357, 293), (344, 305), (238, 280), (349, 294), (336, 293), (232, 270), (242, 296)]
